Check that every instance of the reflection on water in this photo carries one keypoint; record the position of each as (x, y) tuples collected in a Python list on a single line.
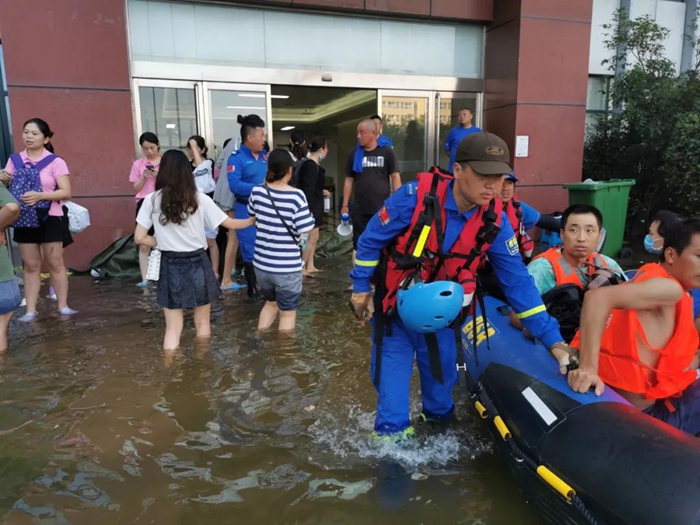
[(97, 425)]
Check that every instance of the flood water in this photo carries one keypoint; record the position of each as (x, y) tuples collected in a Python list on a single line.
[(98, 426)]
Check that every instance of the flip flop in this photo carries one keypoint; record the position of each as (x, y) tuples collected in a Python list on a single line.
[(234, 287)]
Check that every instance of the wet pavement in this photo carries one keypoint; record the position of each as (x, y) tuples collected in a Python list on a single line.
[(98, 426)]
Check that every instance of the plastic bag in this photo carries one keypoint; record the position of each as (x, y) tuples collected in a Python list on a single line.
[(78, 217), (153, 270)]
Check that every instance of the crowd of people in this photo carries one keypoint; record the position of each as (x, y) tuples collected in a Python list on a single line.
[(424, 252)]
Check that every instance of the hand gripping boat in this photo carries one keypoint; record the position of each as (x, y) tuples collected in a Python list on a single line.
[(577, 458)]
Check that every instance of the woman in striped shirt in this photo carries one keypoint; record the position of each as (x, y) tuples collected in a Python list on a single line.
[(282, 215)]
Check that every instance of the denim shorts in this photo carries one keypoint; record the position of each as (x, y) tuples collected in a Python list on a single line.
[(686, 413), (282, 288), (10, 298)]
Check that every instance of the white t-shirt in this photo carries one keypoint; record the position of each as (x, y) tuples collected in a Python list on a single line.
[(188, 236)]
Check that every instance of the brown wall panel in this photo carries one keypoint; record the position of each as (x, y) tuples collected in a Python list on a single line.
[(580, 10), (551, 60), (413, 7), (463, 9), (333, 4), (505, 11), (501, 63), (93, 133), (65, 43)]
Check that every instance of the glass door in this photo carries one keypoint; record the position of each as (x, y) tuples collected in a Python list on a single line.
[(407, 119), (170, 109), (223, 104), (447, 108)]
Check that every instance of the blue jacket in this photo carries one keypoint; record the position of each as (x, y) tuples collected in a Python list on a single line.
[(244, 172), (504, 256), (530, 215)]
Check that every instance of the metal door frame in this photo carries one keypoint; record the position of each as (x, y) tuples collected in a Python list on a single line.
[(208, 87)]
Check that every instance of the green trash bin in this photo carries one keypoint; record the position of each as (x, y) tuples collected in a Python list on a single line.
[(611, 198)]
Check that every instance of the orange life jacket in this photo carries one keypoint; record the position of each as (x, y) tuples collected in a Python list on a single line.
[(619, 364), (514, 212), (419, 253), (567, 274)]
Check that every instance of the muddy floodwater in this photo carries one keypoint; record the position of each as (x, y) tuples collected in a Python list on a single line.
[(98, 426)]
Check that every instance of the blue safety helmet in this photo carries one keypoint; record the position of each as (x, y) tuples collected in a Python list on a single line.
[(430, 307), (511, 176)]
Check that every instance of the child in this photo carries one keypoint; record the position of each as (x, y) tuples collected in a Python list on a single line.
[(180, 214), (283, 216), (10, 297)]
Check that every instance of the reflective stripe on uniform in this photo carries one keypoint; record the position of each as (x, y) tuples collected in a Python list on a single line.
[(532, 311), (358, 262)]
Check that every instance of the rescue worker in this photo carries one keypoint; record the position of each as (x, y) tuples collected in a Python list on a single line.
[(459, 133), (639, 337), (575, 261), (438, 228), (522, 218), (247, 168)]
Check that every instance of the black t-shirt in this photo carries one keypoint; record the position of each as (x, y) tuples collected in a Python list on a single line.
[(373, 185)]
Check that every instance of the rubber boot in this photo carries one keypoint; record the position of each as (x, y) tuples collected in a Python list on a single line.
[(249, 271)]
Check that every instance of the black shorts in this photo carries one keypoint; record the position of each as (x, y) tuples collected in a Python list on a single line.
[(359, 224), (151, 230), (50, 229)]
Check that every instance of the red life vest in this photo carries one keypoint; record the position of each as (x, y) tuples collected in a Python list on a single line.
[(419, 253), (619, 364), (514, 212), (565, 273)]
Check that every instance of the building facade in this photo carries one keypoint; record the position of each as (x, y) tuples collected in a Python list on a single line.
[(103, 71)]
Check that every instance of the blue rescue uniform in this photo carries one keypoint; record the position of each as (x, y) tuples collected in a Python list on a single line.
[(454, 137), (244, 172), (530, 215), (398, 349)]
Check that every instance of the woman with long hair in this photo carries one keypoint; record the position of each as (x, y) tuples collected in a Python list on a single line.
[(312, 179), (40, 182), (143, 177), (180, 214)]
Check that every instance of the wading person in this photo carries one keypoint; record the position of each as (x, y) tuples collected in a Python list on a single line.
[(639, 338), (143, 177), (39, 180), (247, 168), (393, 252), (225, 200), (180, 215), (282, 215)]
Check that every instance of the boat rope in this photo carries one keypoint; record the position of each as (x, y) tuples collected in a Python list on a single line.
[(487, 410)]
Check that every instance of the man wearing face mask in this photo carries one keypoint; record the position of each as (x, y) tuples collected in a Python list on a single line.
[(661, 224)]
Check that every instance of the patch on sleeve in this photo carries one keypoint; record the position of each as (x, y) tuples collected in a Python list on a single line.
[(410, 188), (231, 168), (512, 245), (384, 216)]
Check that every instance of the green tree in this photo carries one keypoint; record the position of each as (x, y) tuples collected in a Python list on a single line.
[(651, 126)]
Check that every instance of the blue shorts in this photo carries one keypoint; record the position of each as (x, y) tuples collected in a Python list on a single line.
[(282, 288), (686, 416), (10, 298)]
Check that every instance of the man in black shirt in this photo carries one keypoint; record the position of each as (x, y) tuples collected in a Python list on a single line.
[(373, 181)]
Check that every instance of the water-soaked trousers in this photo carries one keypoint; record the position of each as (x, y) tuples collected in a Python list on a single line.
[(398, 352)]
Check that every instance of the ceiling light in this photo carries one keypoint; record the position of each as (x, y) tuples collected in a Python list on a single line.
[(287, 128), (170, 126), (279, 96), (252, 95), (242, 107)]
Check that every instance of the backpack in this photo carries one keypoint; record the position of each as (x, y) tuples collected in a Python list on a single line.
[(27, 178), (294, 182)]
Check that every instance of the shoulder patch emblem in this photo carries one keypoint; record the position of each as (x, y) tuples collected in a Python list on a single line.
[(231, 168), (512, 246), (384, 216)]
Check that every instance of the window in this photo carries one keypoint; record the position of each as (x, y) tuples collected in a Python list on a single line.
[(597, 100)]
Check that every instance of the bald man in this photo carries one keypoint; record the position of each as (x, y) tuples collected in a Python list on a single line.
[(374, 183)]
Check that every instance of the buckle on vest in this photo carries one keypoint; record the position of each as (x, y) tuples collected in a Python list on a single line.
[(461, 367)]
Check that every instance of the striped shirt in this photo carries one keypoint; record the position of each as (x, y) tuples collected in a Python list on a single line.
[(275, 249)]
